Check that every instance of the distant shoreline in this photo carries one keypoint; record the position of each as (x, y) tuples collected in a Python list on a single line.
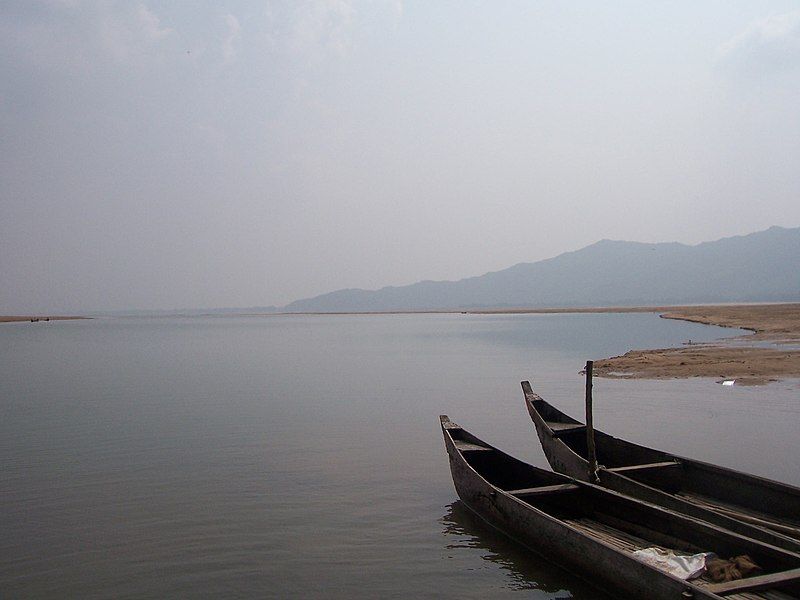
[(753, 359), (665, 308), (18, 318)]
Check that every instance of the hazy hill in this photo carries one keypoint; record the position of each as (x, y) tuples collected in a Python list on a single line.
[(763, 266)]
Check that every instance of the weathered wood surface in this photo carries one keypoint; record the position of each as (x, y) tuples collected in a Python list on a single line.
[(546, 489), (591, 530), (751, 584), (743, 514), (467, 447), (563, 429), (763, 509), (590, 447), (645, 467)]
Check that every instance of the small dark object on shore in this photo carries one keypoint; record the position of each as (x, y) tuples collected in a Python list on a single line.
[(738, 567)]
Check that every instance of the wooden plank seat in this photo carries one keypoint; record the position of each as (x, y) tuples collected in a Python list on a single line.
[(644, 467), (544, 489), (623, 541), (560, 429), (463, 446), (752, 584)]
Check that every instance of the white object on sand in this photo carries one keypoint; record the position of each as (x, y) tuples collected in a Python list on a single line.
[(728, 382)]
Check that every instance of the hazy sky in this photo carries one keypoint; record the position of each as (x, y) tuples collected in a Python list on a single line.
[(177, 154)]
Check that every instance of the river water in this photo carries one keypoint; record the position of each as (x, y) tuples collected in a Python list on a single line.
[(301, 456)]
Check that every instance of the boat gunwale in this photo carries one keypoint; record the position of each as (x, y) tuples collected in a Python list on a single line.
[(530, 396), (609, 475), (450, 443)]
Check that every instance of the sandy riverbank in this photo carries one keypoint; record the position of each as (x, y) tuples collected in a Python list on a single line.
[(736, 358)]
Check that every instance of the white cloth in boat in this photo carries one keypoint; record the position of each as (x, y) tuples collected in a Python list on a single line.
[(679, 565)]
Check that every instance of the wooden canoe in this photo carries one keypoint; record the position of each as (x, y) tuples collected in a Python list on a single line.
[(594, 531), (759, 508)]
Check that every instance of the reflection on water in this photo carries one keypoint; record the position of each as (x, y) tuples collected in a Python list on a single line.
[(464, 530)]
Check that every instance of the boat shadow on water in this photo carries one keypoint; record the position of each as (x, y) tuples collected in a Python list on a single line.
[(525, 570)]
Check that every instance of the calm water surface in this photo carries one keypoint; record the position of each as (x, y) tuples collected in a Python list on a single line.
[(301, 456)]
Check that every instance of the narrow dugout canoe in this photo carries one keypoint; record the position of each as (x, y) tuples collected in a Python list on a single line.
[(594, 531), (759, 508)]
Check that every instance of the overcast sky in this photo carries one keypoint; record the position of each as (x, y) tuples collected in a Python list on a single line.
[(175, 154)]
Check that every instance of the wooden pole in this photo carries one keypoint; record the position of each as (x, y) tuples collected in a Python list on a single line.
[(592, 455)]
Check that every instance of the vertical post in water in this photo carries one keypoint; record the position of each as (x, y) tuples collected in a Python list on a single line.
[(592, 455)]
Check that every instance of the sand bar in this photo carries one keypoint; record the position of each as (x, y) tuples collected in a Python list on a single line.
[(17, 318), (741, 358)]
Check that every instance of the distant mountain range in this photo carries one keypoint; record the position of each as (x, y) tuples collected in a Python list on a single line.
[(759, 267)]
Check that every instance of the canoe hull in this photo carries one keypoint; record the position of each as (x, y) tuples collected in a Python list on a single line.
[(755, 491), (601, 565)]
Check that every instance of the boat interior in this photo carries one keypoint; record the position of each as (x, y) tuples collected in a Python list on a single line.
[(611, 452), (691, 480), (629, 525), (500, 469)]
